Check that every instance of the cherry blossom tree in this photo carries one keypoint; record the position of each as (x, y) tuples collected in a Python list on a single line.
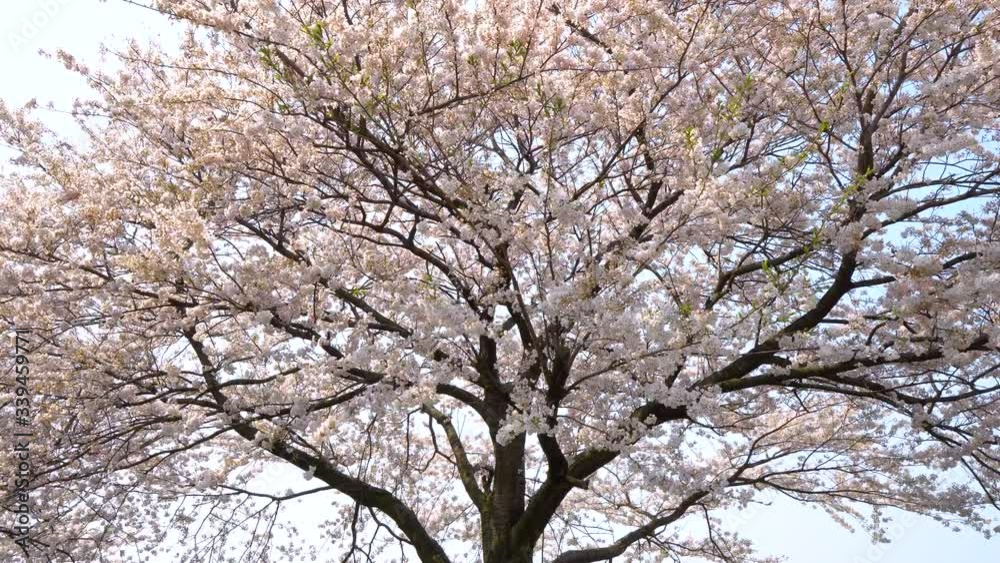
[(510, 281)]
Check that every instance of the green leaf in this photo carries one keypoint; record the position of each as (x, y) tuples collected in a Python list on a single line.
[(517, 49), (690, 136), (315, 32)]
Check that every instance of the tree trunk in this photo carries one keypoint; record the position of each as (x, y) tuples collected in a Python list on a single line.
[(504, 505)]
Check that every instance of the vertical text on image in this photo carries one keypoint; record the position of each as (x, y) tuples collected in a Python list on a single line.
[(22, 434)]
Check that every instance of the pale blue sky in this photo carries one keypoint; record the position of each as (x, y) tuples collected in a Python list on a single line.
[(802, 534)]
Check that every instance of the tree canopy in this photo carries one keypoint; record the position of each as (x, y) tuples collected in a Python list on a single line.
[(510, 281)]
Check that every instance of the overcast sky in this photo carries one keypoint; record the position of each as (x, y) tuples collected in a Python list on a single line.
[(802, 534)]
